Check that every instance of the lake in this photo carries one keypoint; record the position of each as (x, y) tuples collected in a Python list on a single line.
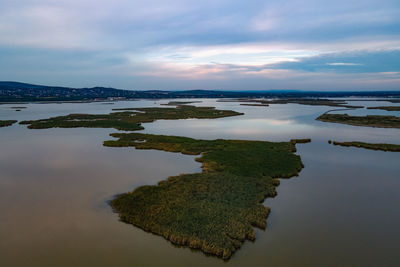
[(342, 210)]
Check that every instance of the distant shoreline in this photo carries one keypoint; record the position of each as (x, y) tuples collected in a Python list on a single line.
[(67, 101), (15, 92)]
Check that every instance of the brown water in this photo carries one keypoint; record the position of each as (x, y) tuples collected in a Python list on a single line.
[(343, 209)]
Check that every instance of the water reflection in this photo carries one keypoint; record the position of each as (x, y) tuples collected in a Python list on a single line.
[(54, 184)]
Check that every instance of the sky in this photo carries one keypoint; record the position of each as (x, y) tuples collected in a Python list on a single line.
[(210, 44)]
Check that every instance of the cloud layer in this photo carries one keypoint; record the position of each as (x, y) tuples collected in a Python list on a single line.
[(182, 44)]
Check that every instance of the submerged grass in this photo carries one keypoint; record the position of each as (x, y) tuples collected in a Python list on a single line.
[(214, 210)]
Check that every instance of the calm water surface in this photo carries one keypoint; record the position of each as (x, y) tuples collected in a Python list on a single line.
[(343, 209)]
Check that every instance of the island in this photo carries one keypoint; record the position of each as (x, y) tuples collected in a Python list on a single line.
[(382, 147), (387, 108), (130, 119), (368, 121), (215, 210), (5, 123)]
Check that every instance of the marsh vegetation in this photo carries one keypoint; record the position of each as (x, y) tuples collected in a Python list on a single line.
[(214, 210), (177, 103), (382, 147), (254, 105), (387, 108), (368, 120), (5, 123), (300, 101)]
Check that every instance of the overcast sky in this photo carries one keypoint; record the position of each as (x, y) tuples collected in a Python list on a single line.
[(208, 44)]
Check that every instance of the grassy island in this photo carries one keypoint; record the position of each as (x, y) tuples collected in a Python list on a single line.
[(387, 108), (7, 123), (382, 147), (369, 120), (130, 120), (215, 210)]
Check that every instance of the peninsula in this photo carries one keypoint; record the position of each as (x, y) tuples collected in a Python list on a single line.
[(215, 210)]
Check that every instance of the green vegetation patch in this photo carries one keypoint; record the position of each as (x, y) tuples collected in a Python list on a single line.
[(369, 120), (383, 147), (7, 123), (313, 102), (387, 108), (215, 210), (130, 120)]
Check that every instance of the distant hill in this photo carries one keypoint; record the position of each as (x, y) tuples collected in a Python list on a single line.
[(24, 92)]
